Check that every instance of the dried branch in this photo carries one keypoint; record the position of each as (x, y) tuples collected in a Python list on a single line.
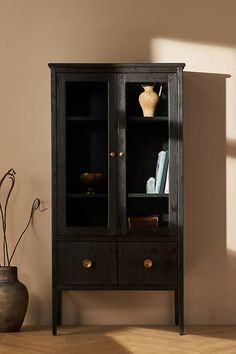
[(3, 212), (10, 174), (35, 205)]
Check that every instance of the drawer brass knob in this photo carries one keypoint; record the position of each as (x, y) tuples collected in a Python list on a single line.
[(147, 263), (87, 263), (121, 154), (112, 154)]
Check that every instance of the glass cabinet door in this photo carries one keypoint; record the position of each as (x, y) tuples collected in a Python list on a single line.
[(147, 166), (86, 134)]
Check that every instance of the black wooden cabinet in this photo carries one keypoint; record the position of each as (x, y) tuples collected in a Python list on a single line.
[(104, 232)]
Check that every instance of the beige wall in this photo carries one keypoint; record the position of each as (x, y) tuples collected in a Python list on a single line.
[(200, 33)]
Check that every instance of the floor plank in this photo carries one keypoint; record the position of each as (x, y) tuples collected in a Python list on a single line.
[(121, 340)]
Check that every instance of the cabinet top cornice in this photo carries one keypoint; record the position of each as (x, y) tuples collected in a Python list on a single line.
[(117, 67)]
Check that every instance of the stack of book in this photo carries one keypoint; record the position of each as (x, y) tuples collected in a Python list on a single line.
[(143, 222), (162, 173)]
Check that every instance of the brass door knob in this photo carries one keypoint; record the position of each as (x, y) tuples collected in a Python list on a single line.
[(87, 263), (112, 154), (121, 154), (147, 263)]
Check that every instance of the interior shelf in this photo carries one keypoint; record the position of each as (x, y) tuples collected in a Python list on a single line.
[(147, 195), (84, 195), (163, 232), (86, 119), (148, 119)]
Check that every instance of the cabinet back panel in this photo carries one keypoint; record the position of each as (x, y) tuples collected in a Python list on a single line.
[(144, 207), (87, 151), (144, 142), (87, 99), (87, 211)]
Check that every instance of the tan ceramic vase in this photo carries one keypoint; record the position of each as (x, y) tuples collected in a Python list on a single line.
[(148, 101), (13, 300)]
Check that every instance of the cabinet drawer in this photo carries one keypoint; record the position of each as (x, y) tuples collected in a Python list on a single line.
[(147, 263), (87, 263)]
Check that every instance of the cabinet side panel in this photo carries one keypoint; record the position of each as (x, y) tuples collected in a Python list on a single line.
[(54, 196), (180, 201)]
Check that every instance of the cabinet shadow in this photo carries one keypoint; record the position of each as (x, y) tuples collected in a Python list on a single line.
[(207, 265)]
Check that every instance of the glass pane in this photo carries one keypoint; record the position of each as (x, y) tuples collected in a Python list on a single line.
[(147, 144), (86, 154)]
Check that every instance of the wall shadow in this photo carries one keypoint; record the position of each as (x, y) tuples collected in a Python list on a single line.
[(205, 198)]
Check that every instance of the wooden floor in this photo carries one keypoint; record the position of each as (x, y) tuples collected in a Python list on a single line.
[(121, 340)]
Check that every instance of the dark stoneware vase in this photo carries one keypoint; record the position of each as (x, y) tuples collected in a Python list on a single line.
[(13, 300)]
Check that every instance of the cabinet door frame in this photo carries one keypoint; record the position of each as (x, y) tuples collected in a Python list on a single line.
[(171, 80), (62, 228)]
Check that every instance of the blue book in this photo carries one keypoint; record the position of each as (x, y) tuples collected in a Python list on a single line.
[(159, 169), (164, 173), (167, 182)]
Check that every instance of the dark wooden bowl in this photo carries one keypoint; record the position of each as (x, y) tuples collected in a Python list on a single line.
[(90, 180)]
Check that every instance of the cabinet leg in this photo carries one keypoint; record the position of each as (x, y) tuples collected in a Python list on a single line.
[(54, 312), (59, 307), (181, 312), (181, 325), (176, 308), (54, 329)]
